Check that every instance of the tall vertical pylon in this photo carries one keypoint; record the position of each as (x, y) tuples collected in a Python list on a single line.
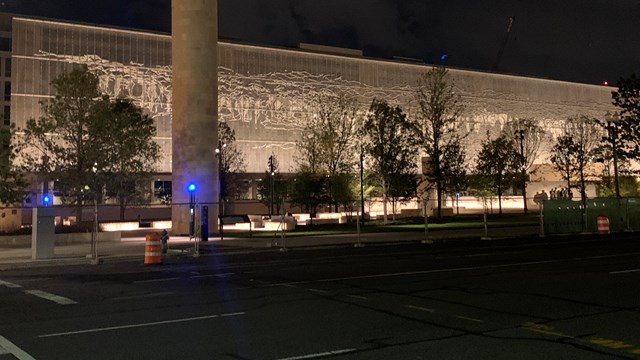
[(194, 28)]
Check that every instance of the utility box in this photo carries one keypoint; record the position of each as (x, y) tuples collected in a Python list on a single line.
[(43, 233)]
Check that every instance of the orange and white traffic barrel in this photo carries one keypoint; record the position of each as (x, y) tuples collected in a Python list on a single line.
[(603, 224), (152, 249)]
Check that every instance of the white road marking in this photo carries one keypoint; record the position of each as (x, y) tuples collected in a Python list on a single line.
[(51, 297), (487, 267), (156, 280), (624, 271), (469, 319), (140, 325), (10, 348), (419, 308), (319, 355), (9, 285), (358, 297)]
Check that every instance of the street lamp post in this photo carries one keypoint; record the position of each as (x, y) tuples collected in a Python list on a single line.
[(221, 173), (272, 172), (612, 128), (520, 136)]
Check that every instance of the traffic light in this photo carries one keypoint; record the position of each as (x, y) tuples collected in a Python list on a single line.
[(271, 165)]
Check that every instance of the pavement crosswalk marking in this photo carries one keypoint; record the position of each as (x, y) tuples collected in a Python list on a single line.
[(48, 296), (9, 348)]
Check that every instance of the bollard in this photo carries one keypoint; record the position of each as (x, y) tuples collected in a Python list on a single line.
[(152, 249)]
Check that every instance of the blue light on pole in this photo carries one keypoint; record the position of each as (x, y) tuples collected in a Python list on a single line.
[(46, 199), (191, 187)]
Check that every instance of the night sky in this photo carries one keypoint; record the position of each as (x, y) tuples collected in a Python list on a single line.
[(586, 41)]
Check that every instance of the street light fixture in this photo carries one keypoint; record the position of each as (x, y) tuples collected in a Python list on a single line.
[(612, 128), (519, 135)]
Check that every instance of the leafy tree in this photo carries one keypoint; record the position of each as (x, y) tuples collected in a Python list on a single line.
[(69, 138), (231, 164), (439, 123), (84, 140), (12, 183), (498, 164), (627, 134), (402, 189), (576, 150), (390, 145), (528, 135), (308, 191), (328, 139), (454, 166), (273, 183), (131, 154)]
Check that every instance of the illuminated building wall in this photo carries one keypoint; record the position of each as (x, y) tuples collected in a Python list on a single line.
[(267, 94)]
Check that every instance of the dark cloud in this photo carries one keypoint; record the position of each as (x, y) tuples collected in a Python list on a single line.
[(577, 40)]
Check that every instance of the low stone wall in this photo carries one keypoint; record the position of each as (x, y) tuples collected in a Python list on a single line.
[(60, 239)]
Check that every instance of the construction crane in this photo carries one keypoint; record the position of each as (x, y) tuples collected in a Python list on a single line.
[(504, 43)]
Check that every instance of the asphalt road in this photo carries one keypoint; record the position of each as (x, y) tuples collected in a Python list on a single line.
[(571, 299)]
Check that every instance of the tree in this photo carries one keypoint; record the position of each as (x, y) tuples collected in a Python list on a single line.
[(308, 191), (273, 187), (439, 123), (328, 139), (529, 135), (12, 183), (389, 141), (83, 137), (576, 150), (67, 140), (402, 189), (498, 164), (627, 134), (454, 169), (131, 154), (231, 164)]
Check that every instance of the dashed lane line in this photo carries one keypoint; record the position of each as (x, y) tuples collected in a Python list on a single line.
[(469, 318), (459, 269), (9, 285), (10, 348), (319, 355), (51, 297), (155, 323), (358, 297), (624, 271), (420, 308), (142, 296)]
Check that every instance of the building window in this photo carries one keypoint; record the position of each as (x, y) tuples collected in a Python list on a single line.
[(7, 67), (7, 115), (7, 91)]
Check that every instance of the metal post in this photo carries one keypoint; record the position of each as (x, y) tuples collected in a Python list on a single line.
[(542, 218), (427, 238), (362, 183), (520, 136)]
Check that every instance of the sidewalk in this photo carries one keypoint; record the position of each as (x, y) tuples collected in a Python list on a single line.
[(16, 256)]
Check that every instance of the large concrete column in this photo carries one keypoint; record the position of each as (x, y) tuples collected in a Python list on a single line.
[(194, 27)]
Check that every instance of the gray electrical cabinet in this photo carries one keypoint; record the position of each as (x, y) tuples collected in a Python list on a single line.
[(42, 233)]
